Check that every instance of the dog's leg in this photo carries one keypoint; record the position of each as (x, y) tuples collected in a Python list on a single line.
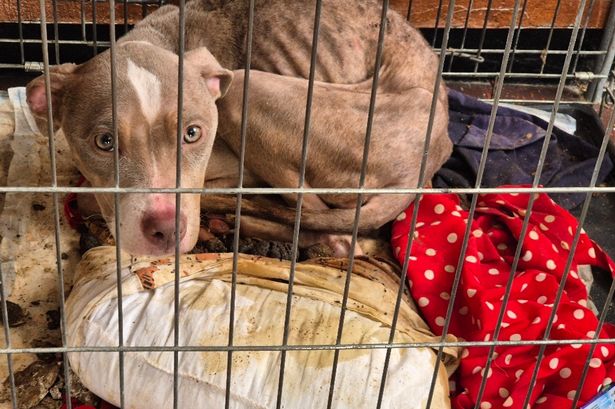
[(340, 244), (265, 228), (270, 230), (222, 172), (336, 144)]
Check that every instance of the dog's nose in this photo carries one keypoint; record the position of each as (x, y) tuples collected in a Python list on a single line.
[(159, 228)]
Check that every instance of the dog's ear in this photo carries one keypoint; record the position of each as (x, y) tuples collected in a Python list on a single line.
[(59, 76), (218, 79)]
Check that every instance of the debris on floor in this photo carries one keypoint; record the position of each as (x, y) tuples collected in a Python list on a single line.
[(32, 384), (41, 385), (16, 314), (94, 232), (28, 246)]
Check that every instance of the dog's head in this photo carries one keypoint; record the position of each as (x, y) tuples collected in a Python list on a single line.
[(147, 83)]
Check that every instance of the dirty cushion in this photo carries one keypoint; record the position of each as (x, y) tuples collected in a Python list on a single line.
[(147, 303)]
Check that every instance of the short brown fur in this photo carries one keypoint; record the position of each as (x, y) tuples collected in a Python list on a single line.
[(280, 61)]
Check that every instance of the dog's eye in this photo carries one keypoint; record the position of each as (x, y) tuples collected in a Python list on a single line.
[(192, 134), (105, 141)]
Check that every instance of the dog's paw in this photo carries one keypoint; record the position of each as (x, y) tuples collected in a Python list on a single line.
[(211, 245), (258, 247), (318, 250)]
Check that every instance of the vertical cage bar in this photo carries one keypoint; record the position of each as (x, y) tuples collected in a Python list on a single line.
[(536, 181), (94, 26), (593, 346), (242, 156), (20, 32), (577, 55), (357, 216), (604, 62), (517, 36), (550, 37), (478, 183), (125, 10), (436, 24), (298, 207), (409, 12), (513, 269), (603, 102), (54, 183), (7, 337), (56, 36), (609, 298), (483, 35), (420, 184), (82, 19), (178, 177), (464, 34), (116, 199)]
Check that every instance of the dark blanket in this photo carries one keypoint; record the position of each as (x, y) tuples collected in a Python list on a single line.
[(514, 151)]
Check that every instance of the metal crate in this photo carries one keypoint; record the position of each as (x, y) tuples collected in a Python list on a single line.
[(573, 63)]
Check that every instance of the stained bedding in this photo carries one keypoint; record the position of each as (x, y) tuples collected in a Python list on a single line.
[(517, 139), (485, 272)]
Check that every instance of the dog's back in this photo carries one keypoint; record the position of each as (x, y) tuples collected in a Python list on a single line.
[(347, 45)]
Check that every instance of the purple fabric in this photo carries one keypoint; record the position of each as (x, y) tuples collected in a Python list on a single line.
[(514, 151)]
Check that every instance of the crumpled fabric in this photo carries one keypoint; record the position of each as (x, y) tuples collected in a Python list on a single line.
[(495, 233), (514, 151)]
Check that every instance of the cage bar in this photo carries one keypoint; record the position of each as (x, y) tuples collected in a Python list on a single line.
[(548, 45), (481, 169), (94, 31), (116, 199), (357, 215), (298, 207), (298, 347), (56, 213), (178, 177), (7, 341), (463, 36), (597, 78), (242, 154), (590, 8), (20, 31), (56, 35)]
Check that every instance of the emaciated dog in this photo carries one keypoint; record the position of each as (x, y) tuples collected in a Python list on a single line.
[(147, 69)]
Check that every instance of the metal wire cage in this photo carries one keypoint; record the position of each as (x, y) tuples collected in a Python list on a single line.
[(491, 47)]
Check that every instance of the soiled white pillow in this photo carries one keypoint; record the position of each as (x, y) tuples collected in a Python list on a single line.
[(147, 302)]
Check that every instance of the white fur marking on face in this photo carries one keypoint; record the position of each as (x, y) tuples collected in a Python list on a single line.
[(147, 87)]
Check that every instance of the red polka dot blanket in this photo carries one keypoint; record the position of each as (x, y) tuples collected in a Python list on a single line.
[(495, 232)]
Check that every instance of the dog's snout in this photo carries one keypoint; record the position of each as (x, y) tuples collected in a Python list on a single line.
[(159, 227)]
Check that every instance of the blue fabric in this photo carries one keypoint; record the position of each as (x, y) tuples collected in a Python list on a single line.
[(514, 151)]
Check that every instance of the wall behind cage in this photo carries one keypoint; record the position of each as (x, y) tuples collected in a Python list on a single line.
[(79, 29)]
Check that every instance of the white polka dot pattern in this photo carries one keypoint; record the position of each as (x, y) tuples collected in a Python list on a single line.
[(484, 273)]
